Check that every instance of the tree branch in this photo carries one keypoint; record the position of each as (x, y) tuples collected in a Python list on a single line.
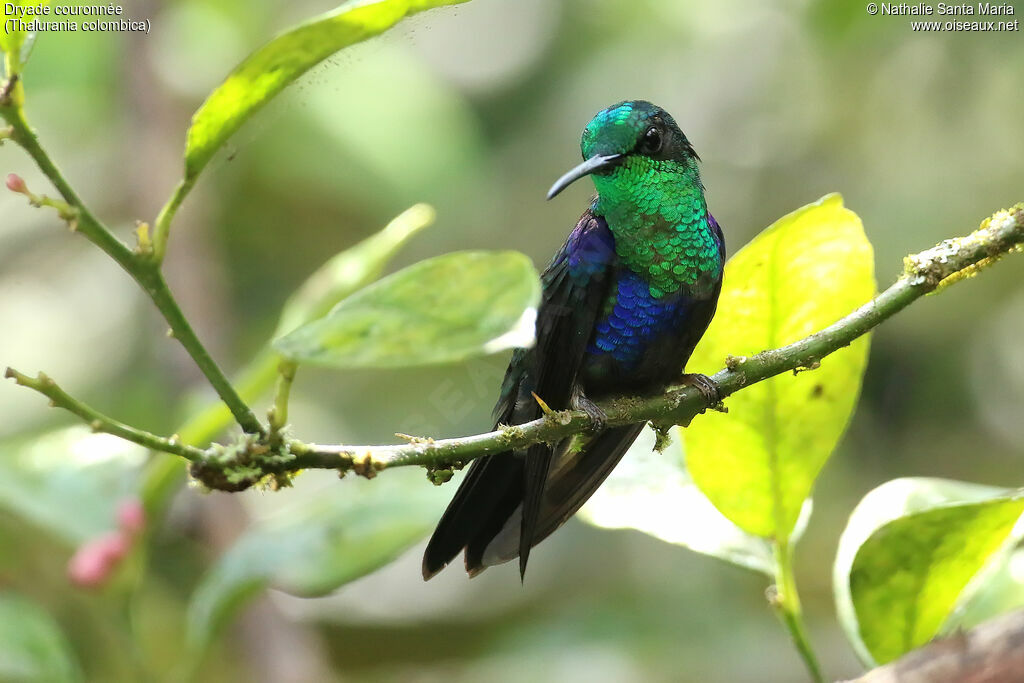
[(990, 653), (950, 261)]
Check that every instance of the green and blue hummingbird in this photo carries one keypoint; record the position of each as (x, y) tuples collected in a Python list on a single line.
[(624, 303)]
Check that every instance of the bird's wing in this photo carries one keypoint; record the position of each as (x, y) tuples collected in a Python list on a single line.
[(575, 285), (575, 289)]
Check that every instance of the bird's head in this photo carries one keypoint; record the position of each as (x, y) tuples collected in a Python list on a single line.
[(631, 143)]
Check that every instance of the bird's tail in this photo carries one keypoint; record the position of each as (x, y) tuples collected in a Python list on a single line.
[(492, 484), (485, 516)]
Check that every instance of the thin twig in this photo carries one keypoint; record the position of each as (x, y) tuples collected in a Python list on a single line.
[(100, 422)]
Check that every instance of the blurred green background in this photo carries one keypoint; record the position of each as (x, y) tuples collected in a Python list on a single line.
[(476, 109)]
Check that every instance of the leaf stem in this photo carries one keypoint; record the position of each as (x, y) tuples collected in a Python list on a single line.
[(784, 598), (100, 422), (162, 227), (12, 64), (143, 267), (12, 93), (277, 416)]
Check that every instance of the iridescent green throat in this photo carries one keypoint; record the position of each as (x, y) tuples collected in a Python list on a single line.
[(656, 211)]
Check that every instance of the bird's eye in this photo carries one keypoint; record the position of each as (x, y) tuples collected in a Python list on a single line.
[(651, 143)]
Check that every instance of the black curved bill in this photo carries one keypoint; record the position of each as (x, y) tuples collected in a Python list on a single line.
[(594, 163)]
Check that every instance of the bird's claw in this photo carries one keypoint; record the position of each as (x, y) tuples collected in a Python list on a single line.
[(598, 418), (706, 386)]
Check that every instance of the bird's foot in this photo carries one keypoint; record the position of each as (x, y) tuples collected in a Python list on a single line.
[(706, 386), (598, 418)]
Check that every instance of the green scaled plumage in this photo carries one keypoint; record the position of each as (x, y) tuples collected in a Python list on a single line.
[(654, 207)]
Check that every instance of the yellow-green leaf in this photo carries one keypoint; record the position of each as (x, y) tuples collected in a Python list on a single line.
[(652, 492), (758, 463), (264, 73), (439, 310), (911, 548)]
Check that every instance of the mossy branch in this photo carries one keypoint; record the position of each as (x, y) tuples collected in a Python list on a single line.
[(249, 461), (949, 261)]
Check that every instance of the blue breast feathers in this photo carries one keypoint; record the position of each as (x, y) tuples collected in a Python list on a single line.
[(635, 321)]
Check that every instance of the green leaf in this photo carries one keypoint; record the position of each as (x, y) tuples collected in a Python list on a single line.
[(910, 549), (265, 72), (32, 647), (758, 463), (68, 481), (17, 44), (318, 544), (440, 310), (653, 493)]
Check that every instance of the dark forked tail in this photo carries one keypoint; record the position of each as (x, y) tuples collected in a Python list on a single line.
[(484, 517), (493, 484)]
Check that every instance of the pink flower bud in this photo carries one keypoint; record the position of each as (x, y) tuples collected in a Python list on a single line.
[(95, 560), (131, 516), (16, 184)]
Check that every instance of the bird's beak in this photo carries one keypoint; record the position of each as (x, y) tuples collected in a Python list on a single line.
[(591, 165)]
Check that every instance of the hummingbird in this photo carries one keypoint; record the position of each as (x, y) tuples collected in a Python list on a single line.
[(624, 302)]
